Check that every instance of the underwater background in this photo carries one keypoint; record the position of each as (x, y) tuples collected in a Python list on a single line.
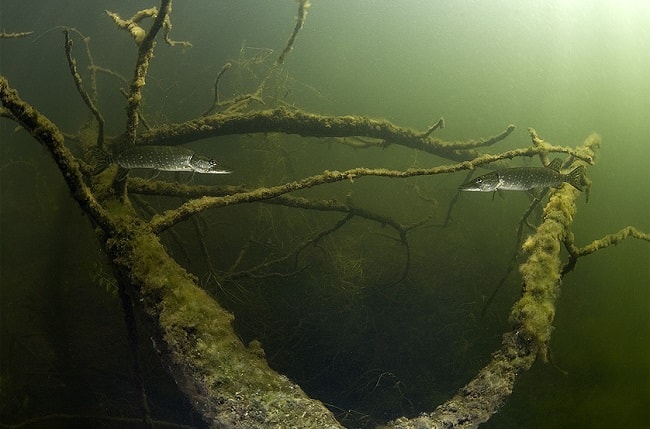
[(344, 325)]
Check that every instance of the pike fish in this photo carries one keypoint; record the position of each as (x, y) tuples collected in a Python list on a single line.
[(525, 178), (161, 158)]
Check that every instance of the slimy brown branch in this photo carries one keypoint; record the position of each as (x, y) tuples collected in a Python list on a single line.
[(6, 113), (110, 73), (141, 117), (138, 33), (612, 239)]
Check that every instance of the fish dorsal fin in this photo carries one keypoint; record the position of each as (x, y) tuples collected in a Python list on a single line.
[(556, 164)]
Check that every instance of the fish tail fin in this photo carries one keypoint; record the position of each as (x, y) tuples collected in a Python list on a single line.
[(99, 159), (576, 177)]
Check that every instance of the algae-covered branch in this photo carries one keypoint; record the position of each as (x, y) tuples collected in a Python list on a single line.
[(293, 258)]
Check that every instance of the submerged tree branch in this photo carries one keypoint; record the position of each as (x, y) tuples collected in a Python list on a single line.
[(305, 124), (169, 218), (72, 64), (5, 35), (50, 136), (228, 384), (532, 317), (303, 5), (576, 252), (145, 54)]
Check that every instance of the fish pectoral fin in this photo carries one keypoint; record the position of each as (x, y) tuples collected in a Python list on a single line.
[(121, 174), (191, 178), (155, 173), (99, 160), (498, 191)]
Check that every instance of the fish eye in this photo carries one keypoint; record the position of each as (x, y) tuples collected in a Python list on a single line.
[(212, 162), (479, 180)]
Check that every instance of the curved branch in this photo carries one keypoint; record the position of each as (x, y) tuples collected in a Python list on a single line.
[(282, 120)]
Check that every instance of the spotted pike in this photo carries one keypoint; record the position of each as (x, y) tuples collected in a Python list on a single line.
[(525, 178), (162, 158)]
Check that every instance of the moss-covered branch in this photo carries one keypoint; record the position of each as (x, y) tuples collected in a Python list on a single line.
[(576, 252), (132, 25), (145, 54), (161, 222), (229, 385), (532, 317), (611, 239), (303, 5), (305, 124), (5, 35), (51, 137)]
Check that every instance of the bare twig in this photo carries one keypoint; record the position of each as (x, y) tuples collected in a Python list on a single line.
[(215, 102), (72, 64)]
